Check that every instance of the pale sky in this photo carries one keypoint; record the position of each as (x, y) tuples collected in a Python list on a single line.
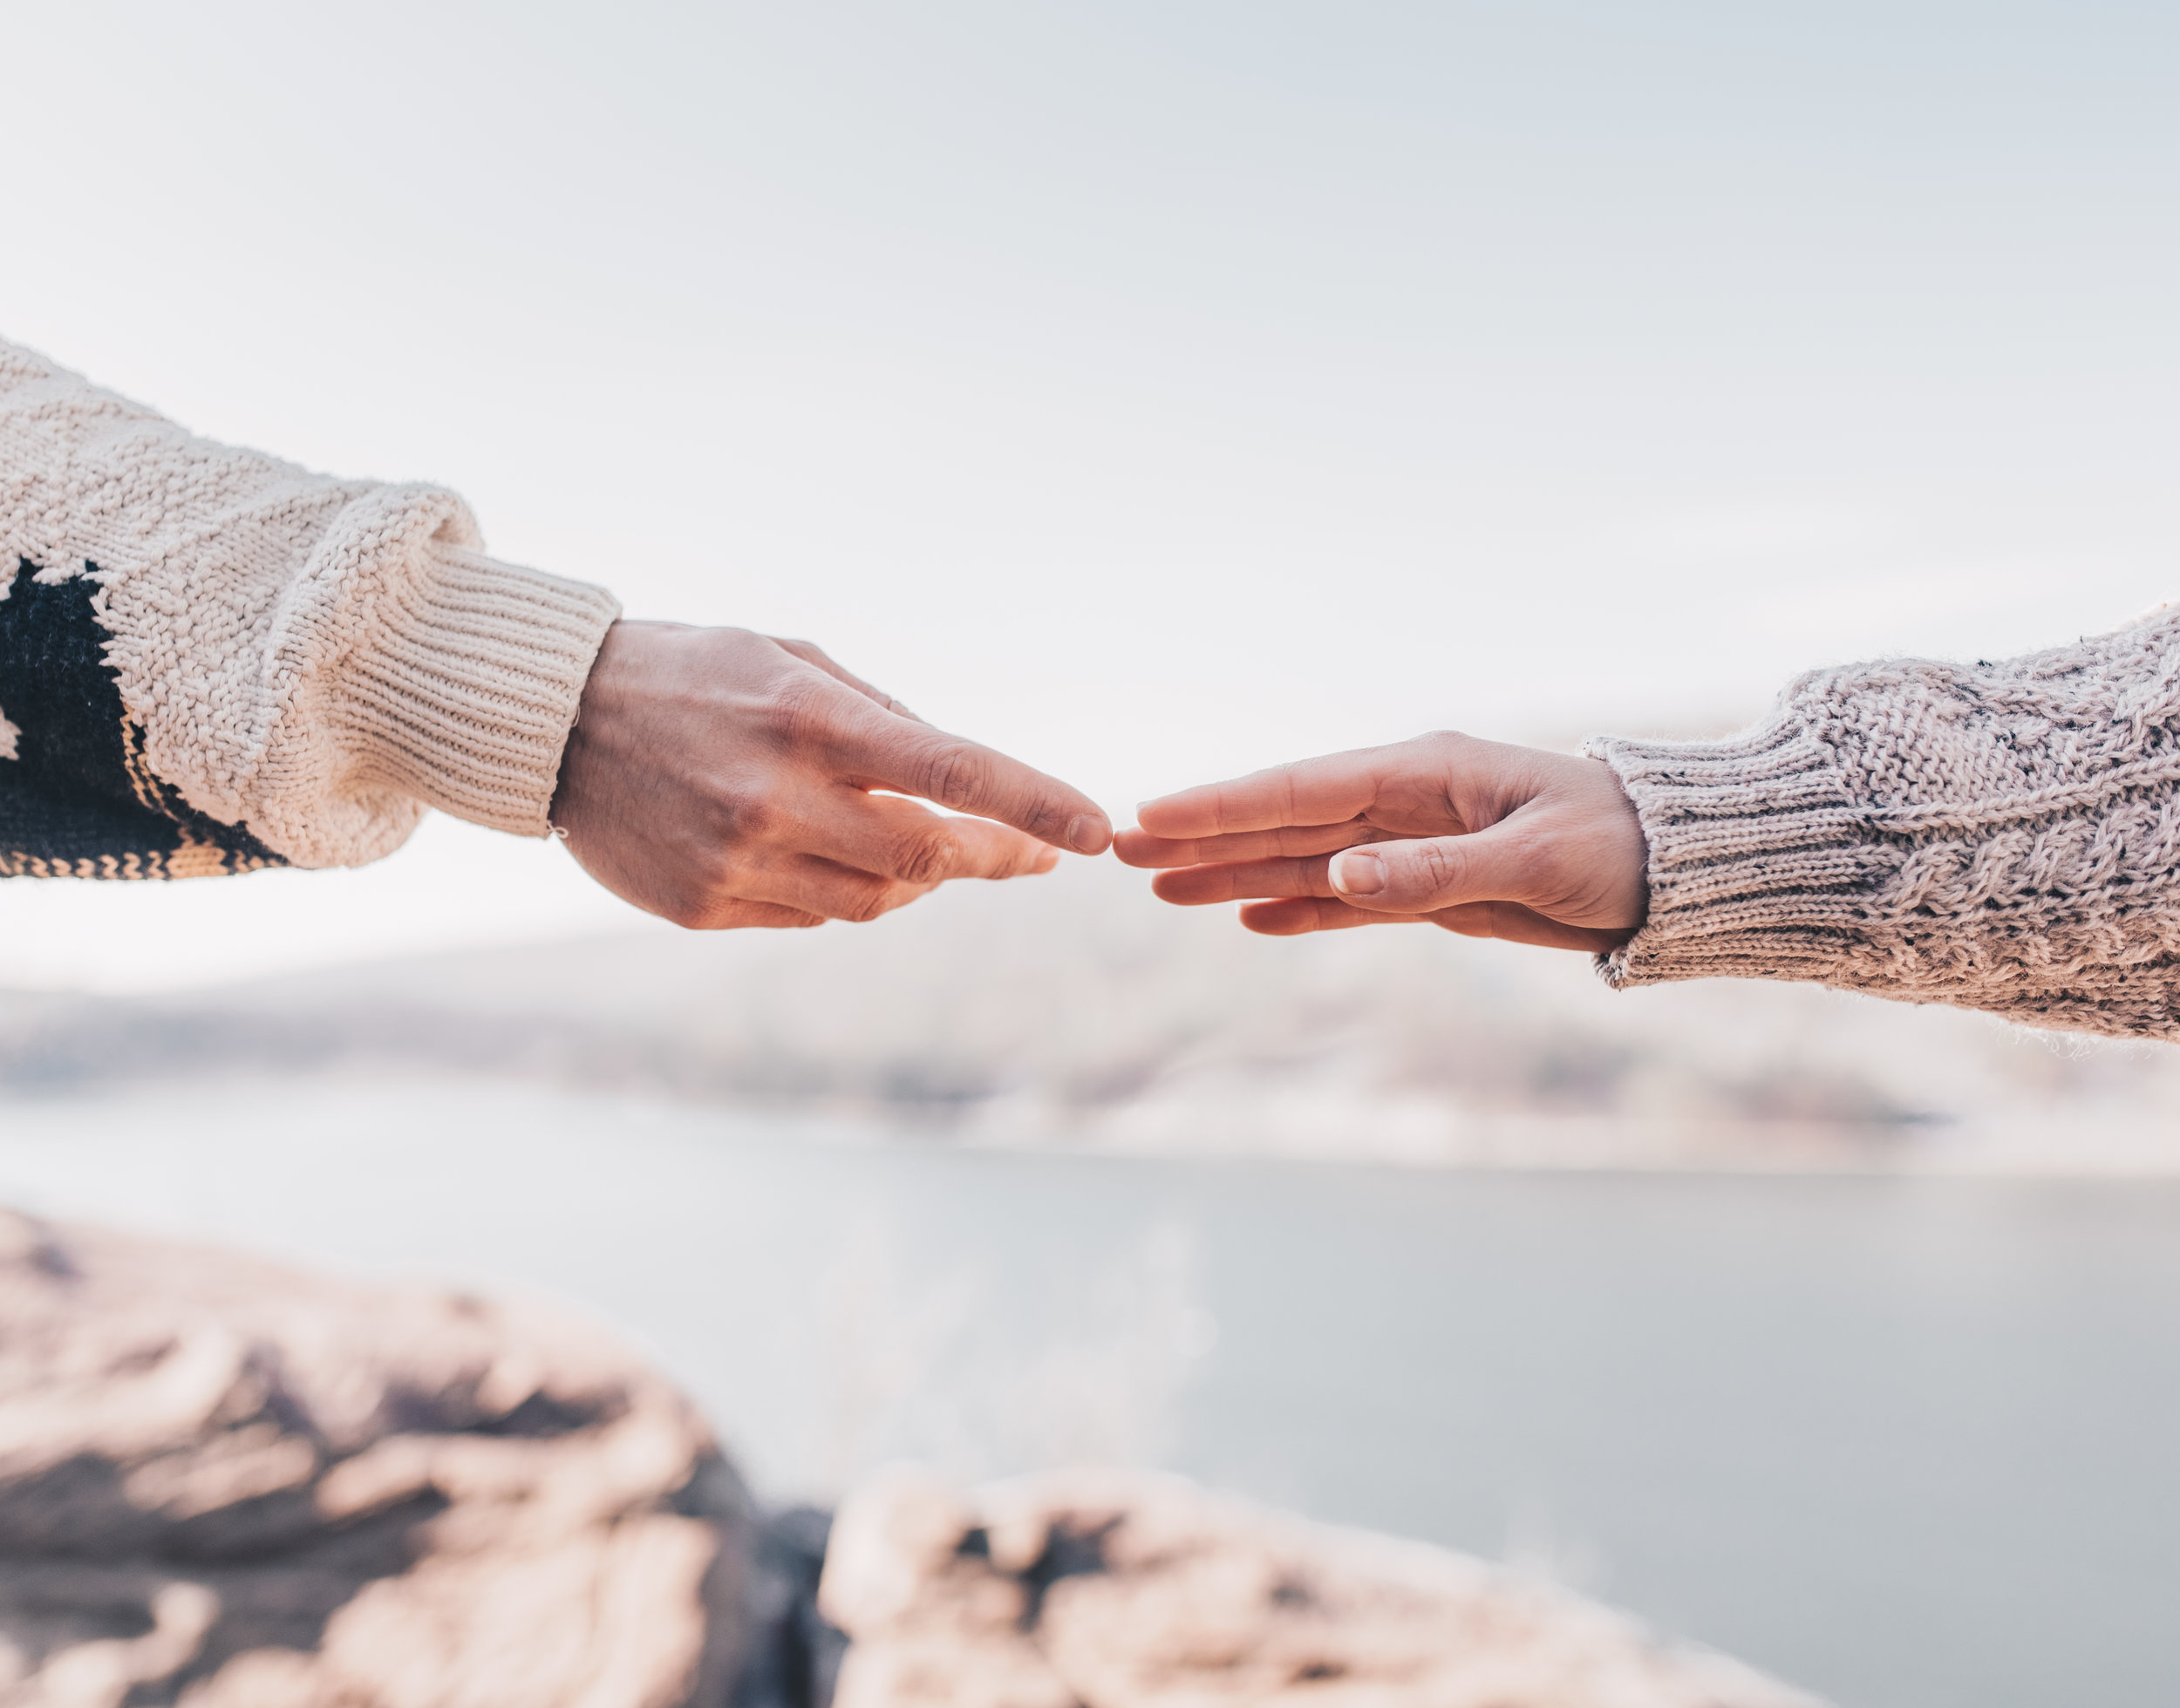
[(1155, 390)]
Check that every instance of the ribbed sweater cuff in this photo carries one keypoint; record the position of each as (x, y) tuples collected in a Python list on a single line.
[(1760, 866), (467, 701)]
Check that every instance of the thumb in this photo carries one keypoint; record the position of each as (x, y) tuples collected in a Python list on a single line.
[(1426, 874)]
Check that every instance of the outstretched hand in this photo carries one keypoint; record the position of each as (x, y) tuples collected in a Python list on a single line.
[(1481, 838), (719, 778)]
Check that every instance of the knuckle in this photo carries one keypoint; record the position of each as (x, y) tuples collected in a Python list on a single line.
[(864, 904), (925, 858), (745, 813), (1438, 866), (717, 862), (798, 709), (959, 775), (691, 911)]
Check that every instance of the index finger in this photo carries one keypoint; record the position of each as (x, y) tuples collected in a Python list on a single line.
[(890, 753), (1330, 790)]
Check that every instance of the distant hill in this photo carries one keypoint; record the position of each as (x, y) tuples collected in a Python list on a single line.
[(1074, 1011)]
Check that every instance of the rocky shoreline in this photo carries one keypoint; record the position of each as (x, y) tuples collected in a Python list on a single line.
[(1093, 1588), (225, 1484)]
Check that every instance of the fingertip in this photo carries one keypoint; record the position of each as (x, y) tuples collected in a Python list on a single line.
[(1294, 915), (1276, 919), (1140, 848), (1164, 885), (1089, 834), (1170, 817), (1047, 860), (1357, 872)]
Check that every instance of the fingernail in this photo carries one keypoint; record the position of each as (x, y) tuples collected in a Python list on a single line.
[(1356, 874), (1087, 833), (1046, 860)]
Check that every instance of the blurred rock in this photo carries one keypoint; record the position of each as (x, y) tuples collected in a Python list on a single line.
[(226, 1484), (1110, 1589)]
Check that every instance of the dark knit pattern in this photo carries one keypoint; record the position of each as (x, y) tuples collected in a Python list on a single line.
[(78, 800)]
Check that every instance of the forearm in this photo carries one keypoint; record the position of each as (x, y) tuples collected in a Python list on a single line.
[(2002, 836), (211, 660)]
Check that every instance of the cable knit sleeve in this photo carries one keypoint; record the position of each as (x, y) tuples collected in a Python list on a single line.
[(1998, 836), (212, 661)]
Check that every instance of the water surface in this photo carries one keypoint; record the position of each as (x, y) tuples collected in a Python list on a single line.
[(1912, 1443)]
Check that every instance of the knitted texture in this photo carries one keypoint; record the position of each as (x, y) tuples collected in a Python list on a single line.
[(2001, 836), (212, 660)]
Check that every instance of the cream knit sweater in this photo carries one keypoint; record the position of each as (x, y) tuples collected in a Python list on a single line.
[(211, 660), (2002, 836)]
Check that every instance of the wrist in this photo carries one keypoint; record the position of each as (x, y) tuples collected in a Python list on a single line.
[(468, 701)]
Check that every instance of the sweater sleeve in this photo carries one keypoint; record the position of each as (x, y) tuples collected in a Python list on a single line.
[(2001, 836), (212, 661)]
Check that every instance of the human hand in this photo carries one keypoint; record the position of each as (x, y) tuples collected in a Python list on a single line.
[(1476, 836), (719, 778)]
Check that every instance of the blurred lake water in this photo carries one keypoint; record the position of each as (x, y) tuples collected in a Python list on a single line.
[(1909, 1442)]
